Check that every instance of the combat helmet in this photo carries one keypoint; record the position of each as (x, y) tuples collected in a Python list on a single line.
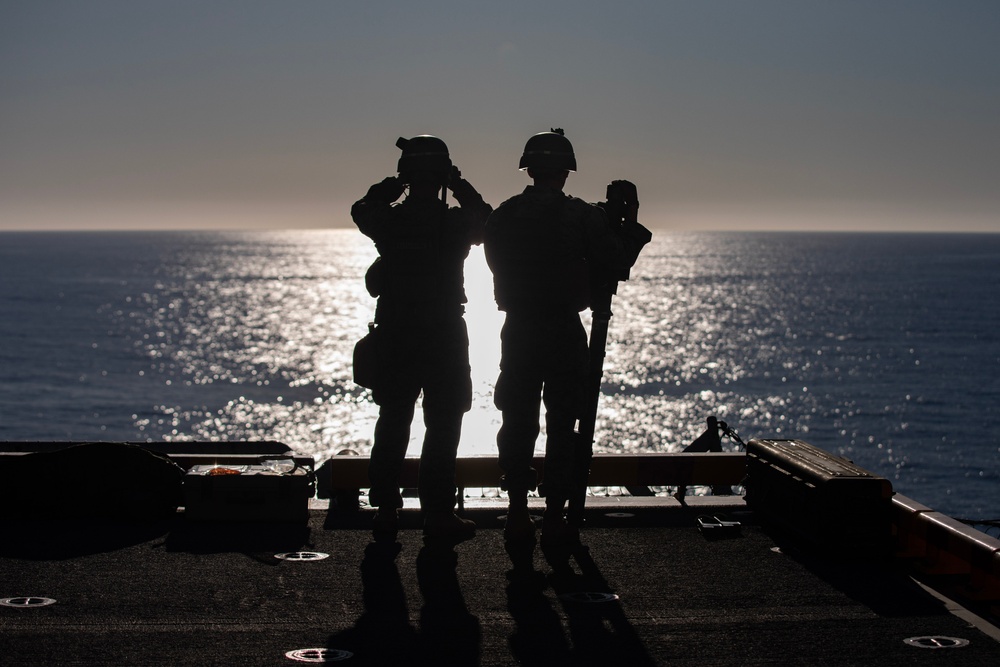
[(548, 150), (423, 153)]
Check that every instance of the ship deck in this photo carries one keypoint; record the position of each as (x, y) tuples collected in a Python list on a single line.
[(649, 588)]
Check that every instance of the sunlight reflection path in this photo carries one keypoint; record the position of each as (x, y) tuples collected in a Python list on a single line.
[(250, 336), (875, 348), (260, 328)]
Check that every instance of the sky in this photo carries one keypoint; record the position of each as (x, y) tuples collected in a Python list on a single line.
[(727, 114)]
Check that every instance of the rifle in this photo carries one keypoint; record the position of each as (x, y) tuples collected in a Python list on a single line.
[(586, 425), (620, 195)]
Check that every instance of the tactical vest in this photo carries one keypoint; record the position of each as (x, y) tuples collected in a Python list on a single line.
[(537, 255), (420, 270)]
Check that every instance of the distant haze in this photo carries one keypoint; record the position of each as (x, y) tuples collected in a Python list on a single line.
[(728, 114)]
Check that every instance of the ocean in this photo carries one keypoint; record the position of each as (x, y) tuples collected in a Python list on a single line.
[(882, 348)]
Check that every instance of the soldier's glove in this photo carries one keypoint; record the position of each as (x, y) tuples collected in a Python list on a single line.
[(455, 179), (458, 185), (388, 190)]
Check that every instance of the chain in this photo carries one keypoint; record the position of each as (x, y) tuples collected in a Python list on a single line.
[(731, 433)]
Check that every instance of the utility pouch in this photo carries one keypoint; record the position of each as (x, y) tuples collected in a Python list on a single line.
[(375, 278), (366, 358)]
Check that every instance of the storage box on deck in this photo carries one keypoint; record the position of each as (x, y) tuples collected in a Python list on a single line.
[(825, 499), (256, 493)]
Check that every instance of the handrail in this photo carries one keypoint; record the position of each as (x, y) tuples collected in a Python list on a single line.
[(674, 469)]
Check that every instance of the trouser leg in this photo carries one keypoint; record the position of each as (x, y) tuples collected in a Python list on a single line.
[(437, 458), (392, 435), (562, 444), (517, 396), (516, 444), (447, 383)]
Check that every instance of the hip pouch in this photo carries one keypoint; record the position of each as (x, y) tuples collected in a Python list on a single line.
[(366, 359)]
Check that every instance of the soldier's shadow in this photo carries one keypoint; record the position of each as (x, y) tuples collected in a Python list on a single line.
[(599, 629), (449, 633), (539, 638), (382, 635)]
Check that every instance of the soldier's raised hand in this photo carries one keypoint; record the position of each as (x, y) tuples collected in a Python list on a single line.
[(454, 177), (388, 189)]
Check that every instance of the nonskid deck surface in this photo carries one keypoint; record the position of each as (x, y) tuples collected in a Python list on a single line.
[(649, 589)]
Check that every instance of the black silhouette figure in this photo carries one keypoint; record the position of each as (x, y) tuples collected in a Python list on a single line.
[(548, 251), (419, 341)]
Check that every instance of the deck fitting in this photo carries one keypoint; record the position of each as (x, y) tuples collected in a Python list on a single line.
[(302, 556), (318, 655), (936, 642), (29, 602)]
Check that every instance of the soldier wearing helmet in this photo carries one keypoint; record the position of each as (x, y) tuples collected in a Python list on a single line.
[(421, 342), (545, 249)]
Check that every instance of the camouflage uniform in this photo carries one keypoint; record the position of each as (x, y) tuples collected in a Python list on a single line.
[(542, 247), (422, 336)]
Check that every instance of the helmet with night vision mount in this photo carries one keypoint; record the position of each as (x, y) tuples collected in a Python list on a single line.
[(423, 153), (550, 151)]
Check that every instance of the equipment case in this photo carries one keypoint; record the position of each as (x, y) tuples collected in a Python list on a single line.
[(827, 500), (247, 493)]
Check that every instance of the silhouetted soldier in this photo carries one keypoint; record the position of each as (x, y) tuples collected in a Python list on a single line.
[(546, 249), (422, 339)]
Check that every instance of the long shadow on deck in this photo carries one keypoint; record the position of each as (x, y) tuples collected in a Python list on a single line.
[(600, 631), (447, 633), (382, 635)]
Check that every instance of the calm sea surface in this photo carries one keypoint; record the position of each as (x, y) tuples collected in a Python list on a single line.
[(882, 348)]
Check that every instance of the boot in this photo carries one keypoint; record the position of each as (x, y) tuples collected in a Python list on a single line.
[(519, 526), (447, 525), (385, 525), (555, 531)]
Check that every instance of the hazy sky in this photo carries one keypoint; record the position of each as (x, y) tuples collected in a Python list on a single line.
[(727, 114)]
